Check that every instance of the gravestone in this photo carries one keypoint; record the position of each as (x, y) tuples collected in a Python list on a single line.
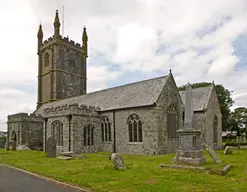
[(190, 142), (12, 145), (7, 145), (22, 148), (212, 153), (117, 161), (51, 147), (228, 150)]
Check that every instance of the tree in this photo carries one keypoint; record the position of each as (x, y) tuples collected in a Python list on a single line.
[(225, 101), (238, 116)]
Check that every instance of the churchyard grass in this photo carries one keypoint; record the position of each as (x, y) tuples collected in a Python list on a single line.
[(143, 172)]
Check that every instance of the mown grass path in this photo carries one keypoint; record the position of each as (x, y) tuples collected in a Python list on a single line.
[(143, 172)]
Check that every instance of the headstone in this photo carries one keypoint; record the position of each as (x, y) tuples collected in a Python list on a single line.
[(228, 150), (51, 147), (190, 142), (13, 146), (22, 148), (212, 153), (7, 145), (117, 161)]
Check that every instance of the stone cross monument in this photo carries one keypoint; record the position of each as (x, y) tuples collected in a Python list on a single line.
[(190, 143)]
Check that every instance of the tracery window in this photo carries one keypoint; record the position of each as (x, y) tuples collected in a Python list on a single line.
[(46, 59), (215, 131), (135, 128), (172, 121), (72, 60), (88, 135), (57, 132), (105, 129)]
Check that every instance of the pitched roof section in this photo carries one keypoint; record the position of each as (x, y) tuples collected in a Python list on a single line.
[(200, 97), (142, 93)]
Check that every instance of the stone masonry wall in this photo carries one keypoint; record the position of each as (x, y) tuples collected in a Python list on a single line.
[(149, 126), (80, 116), (28, 129), (169, 95), (212, 110)]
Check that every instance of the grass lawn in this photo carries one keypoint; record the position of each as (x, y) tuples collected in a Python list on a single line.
[(143, 172)]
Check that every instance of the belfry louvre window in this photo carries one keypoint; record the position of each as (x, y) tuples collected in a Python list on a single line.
[(172, 121), (215, 131), (135, 128), (88, 135), (72, 60), (57, 132), (105, 129), (46, 59)]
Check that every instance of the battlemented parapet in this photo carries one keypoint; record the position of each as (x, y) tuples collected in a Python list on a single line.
[(74, 108), (26, 129), (24, 117)]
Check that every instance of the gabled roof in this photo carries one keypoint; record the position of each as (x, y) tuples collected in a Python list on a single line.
[(200, 97), (142, 93)]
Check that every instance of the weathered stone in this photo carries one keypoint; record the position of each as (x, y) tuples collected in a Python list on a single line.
[(190, 142), (65, 158), (212, 153), (51, 147), (228, 150), (22, 148), (118, 161), (13, 146), (7, 145)]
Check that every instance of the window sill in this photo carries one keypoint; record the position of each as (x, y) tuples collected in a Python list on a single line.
[(106, 142), (135, 143)]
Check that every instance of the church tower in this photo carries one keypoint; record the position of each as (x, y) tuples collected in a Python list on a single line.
[(62, 66)]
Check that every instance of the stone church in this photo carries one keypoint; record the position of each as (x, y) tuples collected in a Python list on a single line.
[(137, 118)]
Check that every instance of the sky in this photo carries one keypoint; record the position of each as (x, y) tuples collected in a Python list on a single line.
[(128, 41)]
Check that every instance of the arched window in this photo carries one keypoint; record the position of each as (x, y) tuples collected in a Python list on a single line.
[(72, 60), (46, 59), (57, 132), (88, 135), (135, 128), (172, 121), (105, 129), (215, 131)]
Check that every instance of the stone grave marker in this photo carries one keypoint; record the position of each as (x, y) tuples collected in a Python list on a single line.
[(117, 161), (190, 142), (228, 150), (212, 153), (13, 146), (7, 145), (51, 147)]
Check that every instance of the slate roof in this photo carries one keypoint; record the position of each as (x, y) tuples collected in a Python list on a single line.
[(200, 97), (142, 93)]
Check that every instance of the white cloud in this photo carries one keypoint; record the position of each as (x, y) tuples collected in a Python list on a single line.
[(130, 35)]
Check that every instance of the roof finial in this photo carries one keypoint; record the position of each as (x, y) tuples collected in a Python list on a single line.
[(56, 25), (40, 32)]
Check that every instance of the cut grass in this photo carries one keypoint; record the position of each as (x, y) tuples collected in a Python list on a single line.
[(143, 172)]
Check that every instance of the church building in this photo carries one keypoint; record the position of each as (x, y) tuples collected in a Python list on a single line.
[(137, 118)]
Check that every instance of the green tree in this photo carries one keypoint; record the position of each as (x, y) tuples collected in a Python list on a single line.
[(224, 97), (225, 101), (239, 115)]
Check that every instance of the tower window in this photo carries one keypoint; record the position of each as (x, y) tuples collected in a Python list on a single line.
[(72, 60), (46, 58)]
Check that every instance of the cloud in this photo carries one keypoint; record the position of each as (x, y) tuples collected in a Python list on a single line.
[(141, 38)]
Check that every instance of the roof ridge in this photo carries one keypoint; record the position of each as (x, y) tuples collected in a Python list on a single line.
[(137, 82), (199, 87)]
